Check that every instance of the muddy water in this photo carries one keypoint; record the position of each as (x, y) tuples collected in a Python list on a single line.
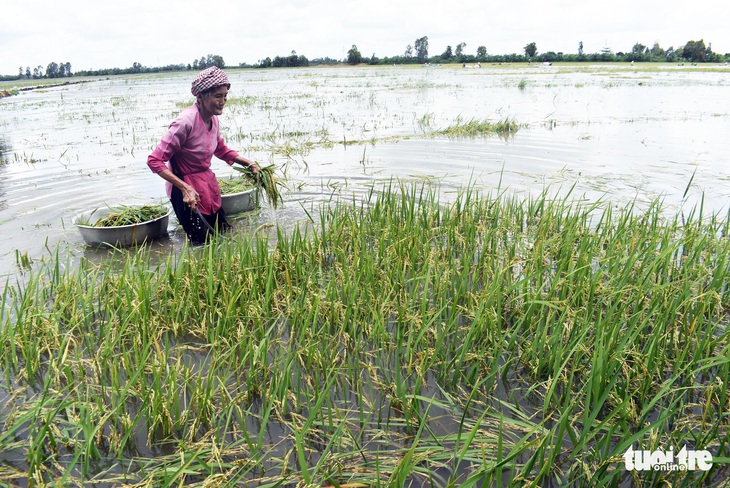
[(614, 132)]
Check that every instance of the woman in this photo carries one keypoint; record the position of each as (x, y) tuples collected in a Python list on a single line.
[(193, 138)]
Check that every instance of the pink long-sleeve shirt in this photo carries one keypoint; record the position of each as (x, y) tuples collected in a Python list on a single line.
[(193, 145)]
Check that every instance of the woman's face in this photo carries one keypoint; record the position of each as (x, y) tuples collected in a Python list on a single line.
[(213, 101)]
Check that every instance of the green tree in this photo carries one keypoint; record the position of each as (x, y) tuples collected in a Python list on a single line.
[(293, 59), (460, 49), (409, 52), (671, 54), (695, 51), (482, 52), (354, 56), (531, 50), (657, 51), (580, 49), (637, 53), (421, 46), (208, 61), (448, 54), (52, 70)]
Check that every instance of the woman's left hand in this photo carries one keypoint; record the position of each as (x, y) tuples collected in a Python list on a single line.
[(247, 163)]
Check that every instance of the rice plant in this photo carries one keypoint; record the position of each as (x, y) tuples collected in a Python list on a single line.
[(475, 127), (394, 341)]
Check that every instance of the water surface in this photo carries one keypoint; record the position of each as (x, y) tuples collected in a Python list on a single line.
[(611, 132)]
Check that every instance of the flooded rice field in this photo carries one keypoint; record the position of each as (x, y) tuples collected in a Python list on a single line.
[(612, 132), (495, 341)]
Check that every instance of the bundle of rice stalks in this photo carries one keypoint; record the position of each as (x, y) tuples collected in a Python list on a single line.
[(266, 180), (132, 215), (229, 186)]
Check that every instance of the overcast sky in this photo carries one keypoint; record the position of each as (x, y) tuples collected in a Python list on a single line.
[(107, 34)]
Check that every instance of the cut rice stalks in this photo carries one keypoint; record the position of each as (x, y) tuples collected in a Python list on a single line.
[(266, 180), (131, 215)]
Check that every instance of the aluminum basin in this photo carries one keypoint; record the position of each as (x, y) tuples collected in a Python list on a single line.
[(244, 201), (122, 235)]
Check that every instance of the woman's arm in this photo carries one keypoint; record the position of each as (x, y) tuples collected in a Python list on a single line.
[(246, 162)]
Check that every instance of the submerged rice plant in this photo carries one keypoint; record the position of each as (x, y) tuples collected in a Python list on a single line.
[(397, 341), (475, 127)]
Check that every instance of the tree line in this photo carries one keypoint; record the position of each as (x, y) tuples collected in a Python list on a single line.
[(417, 53), (693, 51)]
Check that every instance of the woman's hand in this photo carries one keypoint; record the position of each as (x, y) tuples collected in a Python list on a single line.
[(191, 198), (247, 163)]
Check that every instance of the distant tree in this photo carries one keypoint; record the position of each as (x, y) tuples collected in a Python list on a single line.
[(671, 54), (531, 50), (62, 70), (421, 46), (354, 56), (215, 60), (447, 54), (580, 48), (409, 52), (637, 52), (482, 52), (638, 48), (711, 56), (460, 49), (695, 51), (293, 59), (208, 61), (52, 70), (27, 72), (657, 51)]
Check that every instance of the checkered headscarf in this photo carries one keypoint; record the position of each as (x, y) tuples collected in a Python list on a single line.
[(209, 78)]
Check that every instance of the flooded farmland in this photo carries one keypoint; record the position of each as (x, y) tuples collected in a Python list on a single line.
[(550, 328), (609, 132)]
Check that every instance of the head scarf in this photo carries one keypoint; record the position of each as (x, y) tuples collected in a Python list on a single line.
[(212, 77)]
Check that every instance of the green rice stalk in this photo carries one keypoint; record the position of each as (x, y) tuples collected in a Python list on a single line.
[(230, 186), (131, 215), (266, 180)]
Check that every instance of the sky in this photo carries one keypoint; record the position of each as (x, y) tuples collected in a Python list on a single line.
[(104, 34)]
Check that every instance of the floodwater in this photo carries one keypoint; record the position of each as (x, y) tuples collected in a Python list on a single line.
[(614, 132)]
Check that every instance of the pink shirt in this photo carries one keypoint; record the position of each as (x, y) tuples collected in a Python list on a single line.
[(193, 145)]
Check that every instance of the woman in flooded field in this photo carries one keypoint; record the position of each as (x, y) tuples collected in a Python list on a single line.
[(192, 140)]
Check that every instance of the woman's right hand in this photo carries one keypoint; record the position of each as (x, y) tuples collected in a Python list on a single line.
[(191, 198)]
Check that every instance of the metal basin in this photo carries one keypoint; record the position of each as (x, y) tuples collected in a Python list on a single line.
[(244, 201), (122, 235)]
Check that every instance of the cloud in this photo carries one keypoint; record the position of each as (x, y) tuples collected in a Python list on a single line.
[(94, 35)]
